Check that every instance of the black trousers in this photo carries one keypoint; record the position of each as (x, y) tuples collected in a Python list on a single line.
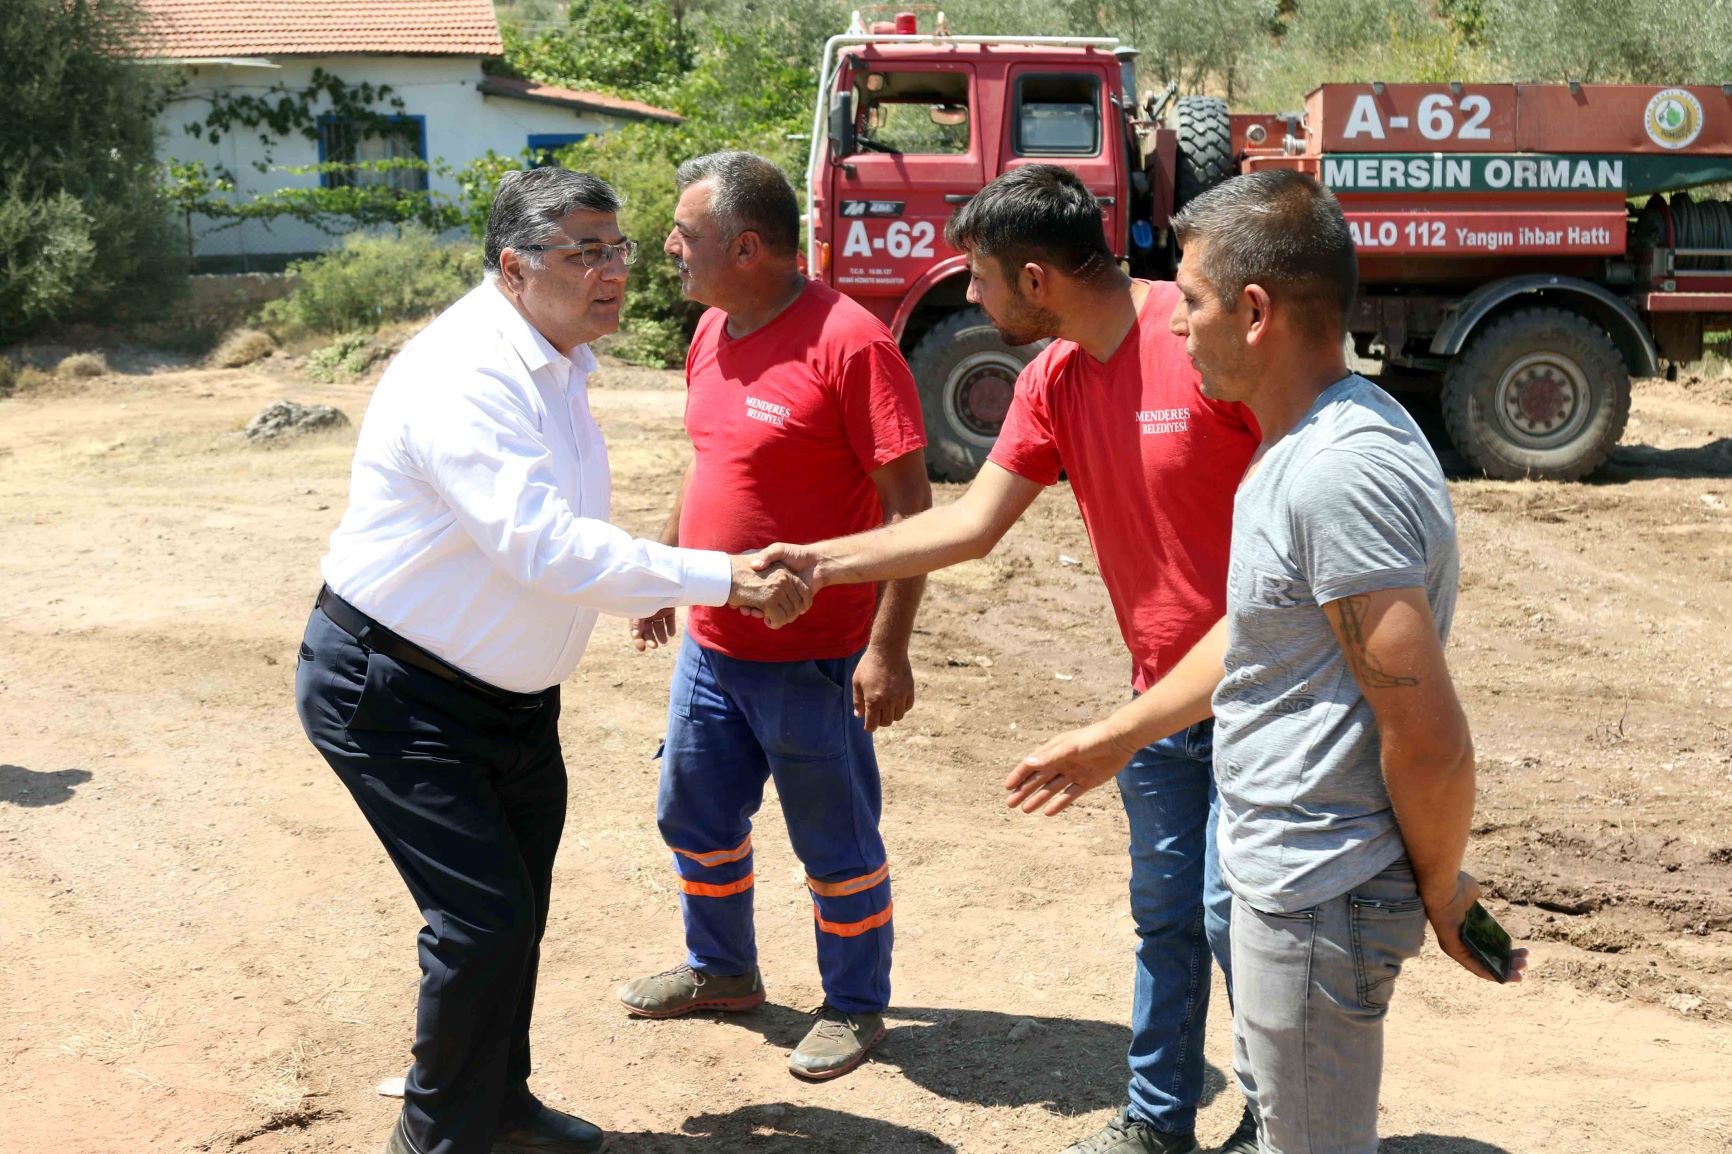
[(468, 795)]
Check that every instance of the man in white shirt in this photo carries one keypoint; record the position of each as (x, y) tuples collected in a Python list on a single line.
[(460, 589)]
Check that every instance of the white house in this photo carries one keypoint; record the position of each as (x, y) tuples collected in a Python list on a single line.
[(428, 53)]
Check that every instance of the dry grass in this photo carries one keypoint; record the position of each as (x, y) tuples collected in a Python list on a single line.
[(32, 379), (122, 1035), (82, 365), (241, 348), (286, 1085)]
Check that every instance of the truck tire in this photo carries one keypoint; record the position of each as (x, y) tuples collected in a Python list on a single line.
[(967, 376), (1205, 147), (1541, 394)]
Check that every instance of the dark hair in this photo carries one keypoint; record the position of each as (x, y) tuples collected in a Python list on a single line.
[(1041, 213), (1280, 229), (529, 204), (747, 194)]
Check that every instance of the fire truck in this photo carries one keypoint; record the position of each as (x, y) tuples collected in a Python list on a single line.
[(1525, 250)]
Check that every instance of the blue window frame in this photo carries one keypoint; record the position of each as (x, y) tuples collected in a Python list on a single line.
[(345, 141), (542, 145)]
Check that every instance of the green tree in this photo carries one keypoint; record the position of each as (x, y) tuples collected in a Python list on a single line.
[(1324, 41), (80, 176), (611, 45), (1202, 44), (1638, 41)]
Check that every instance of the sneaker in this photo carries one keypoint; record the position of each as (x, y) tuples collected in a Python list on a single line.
[(1127, 1135), (835, 1044), (1244, 1139), (683, 989)]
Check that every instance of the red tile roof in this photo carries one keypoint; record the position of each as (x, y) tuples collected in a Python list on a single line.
[(573, 98), (196, 29)]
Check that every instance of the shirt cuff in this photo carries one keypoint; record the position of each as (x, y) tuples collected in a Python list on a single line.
[(708, 577)]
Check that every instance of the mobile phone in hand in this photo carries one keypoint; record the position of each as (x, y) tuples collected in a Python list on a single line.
[(1487, 941)]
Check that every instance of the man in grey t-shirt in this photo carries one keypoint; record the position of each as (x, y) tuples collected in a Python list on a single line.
[(1349, 503), (1342, 755)]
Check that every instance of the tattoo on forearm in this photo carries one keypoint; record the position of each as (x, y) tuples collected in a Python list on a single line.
[(1365, 666)]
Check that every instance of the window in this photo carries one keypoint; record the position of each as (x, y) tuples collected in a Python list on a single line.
[(1058, 114), (918, 112), (343, 141), (542, 145)]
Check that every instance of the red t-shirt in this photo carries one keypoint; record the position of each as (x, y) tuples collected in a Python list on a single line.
[(788, 423), (1153, 464)]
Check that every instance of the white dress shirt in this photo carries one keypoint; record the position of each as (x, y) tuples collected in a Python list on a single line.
[(477, 524)]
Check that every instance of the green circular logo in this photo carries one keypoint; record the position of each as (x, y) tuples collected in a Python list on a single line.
[(1673, 118)]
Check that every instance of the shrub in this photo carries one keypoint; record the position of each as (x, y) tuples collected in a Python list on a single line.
[(8, 376), (349, 355), (30, 379), (46, 257), (82, 365), (372, 280), (242, 347)]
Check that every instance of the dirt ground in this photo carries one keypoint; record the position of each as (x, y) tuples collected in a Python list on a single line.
[(202, 946)]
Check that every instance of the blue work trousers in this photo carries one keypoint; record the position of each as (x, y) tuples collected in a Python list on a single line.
[(732, 725), (1181, 909)]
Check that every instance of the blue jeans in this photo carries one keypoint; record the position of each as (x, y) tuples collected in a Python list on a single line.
[(732, 725), (1181, 909), (1314, 987)]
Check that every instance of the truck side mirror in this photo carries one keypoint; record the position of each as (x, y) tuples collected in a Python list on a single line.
[(841, 124)]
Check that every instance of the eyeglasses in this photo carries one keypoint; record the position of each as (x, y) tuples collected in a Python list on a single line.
[(591, 253)]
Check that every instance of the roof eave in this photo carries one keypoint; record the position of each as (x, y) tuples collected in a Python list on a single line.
[(226, 61), (586, 106)]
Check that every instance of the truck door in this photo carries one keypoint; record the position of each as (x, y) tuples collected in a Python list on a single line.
[(918, 155), (1059, 116)]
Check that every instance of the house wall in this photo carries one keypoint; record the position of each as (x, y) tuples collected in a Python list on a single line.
[(461, 124)]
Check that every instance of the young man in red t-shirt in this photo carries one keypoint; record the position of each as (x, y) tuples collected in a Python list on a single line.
[(805, 423), (1113, 402)]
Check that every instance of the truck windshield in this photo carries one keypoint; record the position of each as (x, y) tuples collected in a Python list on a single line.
[(913, 112)]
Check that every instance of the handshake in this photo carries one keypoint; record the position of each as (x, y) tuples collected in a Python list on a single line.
[(777, 583)]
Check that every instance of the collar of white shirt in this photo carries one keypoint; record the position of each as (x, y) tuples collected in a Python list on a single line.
[(533, 349)]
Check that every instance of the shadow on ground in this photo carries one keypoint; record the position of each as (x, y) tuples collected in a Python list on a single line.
[(1068, 1065), (1639, 462), (780, 1126), (1436, 1144), (32, 790)]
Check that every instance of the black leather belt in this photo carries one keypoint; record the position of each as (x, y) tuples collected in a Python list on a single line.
[(376, 637)]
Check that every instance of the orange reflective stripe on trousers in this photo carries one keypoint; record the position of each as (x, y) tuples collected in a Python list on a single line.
[(852, 929)]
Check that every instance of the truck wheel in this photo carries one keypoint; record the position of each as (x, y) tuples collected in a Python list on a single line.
[(1540, 394), (967, 376), (1205, 147)]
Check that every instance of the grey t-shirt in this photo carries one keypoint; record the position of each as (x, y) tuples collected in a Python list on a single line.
[(1350, 501)]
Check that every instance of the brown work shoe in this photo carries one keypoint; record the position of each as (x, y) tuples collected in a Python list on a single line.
[(683, 989), (836, 1043)]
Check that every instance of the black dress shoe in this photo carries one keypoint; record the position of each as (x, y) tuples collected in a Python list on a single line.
[(398, 1142), (548, 1131)]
